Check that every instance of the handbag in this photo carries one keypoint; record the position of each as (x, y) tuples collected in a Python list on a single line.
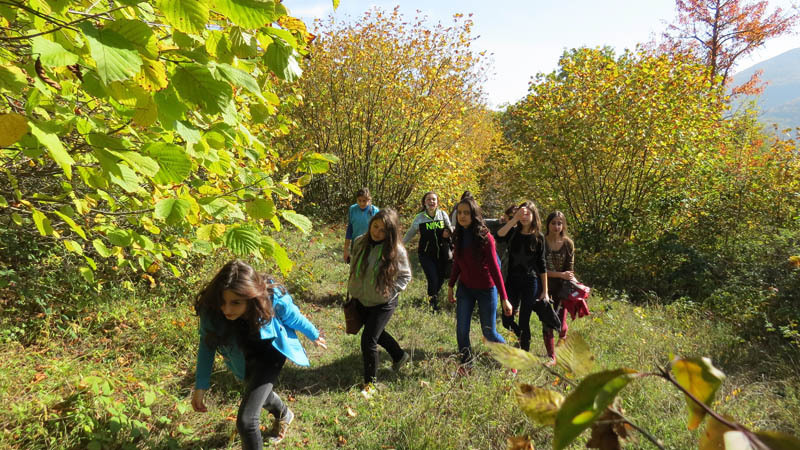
[(352, 318), (547, 314)]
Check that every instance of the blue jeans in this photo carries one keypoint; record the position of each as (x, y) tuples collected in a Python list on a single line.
[(431, 268), (487, 311)]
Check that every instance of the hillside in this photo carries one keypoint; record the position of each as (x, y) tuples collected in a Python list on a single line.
[(780, 101)]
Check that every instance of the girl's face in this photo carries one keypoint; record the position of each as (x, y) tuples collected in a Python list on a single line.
[(362, 201), (526, 216), (233, 305), (431, 202), (377, 231), (556, 226), (464, 215)]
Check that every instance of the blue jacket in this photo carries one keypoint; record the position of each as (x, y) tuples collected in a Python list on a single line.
[(281, 329), (358, 220)]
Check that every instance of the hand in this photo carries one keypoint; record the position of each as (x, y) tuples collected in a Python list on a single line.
[(518, 215), (450, 297), (508, 310), (347, 256), (197, 400), (544, 296), (568, 275), (320, 342)]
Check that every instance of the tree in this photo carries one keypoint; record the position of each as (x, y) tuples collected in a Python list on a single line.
[(398, 102), (139, 132), (720, 32), (612, 139)]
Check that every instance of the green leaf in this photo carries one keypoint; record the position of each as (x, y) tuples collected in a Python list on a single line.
[(12, 78), (174, 163), (300, 221), (247, 13), (242, 241), (172, 210), (189, 16), (42, 223), (139, 34), (73, 246), (74, 226), (261, 208), (149, 398), (153, 76), (700, 378), (539, 404), (87, 274), (53, 145), (117, 59), (143, 164), (12, 127), (52, 54), (125, 178), (513, 358), (120, 238), (240, 78), (271, 249), (211, 231), (101, 248), (281, 58), (778, 441), (574, 355), (197, 84), (219, 208), (595, 393)]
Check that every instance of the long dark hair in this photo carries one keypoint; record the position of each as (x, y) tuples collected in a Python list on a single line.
[(388, 264), (477, 228), (536, 223), (550, 217), (244, 281)]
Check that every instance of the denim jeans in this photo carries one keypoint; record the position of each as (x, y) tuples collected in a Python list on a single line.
[(487, 312), (523, 290), (431, 268)]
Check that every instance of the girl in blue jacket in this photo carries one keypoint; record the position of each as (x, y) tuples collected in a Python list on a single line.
[(251, 322)]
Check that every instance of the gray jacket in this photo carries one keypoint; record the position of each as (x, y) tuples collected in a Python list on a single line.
[(363, 285)]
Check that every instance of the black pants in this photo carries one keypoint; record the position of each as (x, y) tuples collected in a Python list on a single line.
[(523, 290), (374, 334), (261, 373)]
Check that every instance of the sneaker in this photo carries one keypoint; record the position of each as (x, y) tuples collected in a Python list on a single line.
[(280, 427), (396, 366), (369, 391)]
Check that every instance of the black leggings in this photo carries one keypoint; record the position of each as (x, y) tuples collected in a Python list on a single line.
[(374, 334), (261, 373)]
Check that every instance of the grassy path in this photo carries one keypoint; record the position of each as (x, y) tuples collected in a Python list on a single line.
[(117, 373)]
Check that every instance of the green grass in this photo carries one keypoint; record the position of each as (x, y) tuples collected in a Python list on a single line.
[(141, 342)]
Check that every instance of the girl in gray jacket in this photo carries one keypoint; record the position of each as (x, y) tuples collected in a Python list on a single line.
[(379, 270)]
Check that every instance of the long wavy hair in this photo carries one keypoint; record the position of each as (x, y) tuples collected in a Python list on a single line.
[(240, 278), (388, 264), (477, 228)]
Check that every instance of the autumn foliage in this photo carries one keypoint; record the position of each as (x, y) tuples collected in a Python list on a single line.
[(399, 102)]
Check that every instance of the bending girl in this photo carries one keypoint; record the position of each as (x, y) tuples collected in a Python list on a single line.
[(251, 321)]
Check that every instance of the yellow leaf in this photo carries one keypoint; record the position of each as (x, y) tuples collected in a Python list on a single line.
[(153, 76), (540, 405), (12, 127), (702, 380)]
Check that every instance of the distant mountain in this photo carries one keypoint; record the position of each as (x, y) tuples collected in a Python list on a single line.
[(780, 102)]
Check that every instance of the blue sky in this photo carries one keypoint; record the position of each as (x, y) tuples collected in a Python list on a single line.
[(527, 37)]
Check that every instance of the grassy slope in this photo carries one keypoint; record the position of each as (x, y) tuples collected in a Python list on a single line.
[(144, 340)]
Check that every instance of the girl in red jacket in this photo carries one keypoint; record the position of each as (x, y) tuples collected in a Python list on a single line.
[(478, 275)]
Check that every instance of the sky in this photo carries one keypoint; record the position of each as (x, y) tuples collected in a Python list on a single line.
[(526, 37)]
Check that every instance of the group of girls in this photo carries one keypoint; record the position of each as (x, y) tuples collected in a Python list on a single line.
[(253, 323)]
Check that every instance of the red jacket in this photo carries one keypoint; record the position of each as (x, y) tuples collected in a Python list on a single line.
[(478, 268)]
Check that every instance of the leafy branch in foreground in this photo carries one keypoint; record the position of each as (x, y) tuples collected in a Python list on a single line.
[(138, 133), (593, 403)]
